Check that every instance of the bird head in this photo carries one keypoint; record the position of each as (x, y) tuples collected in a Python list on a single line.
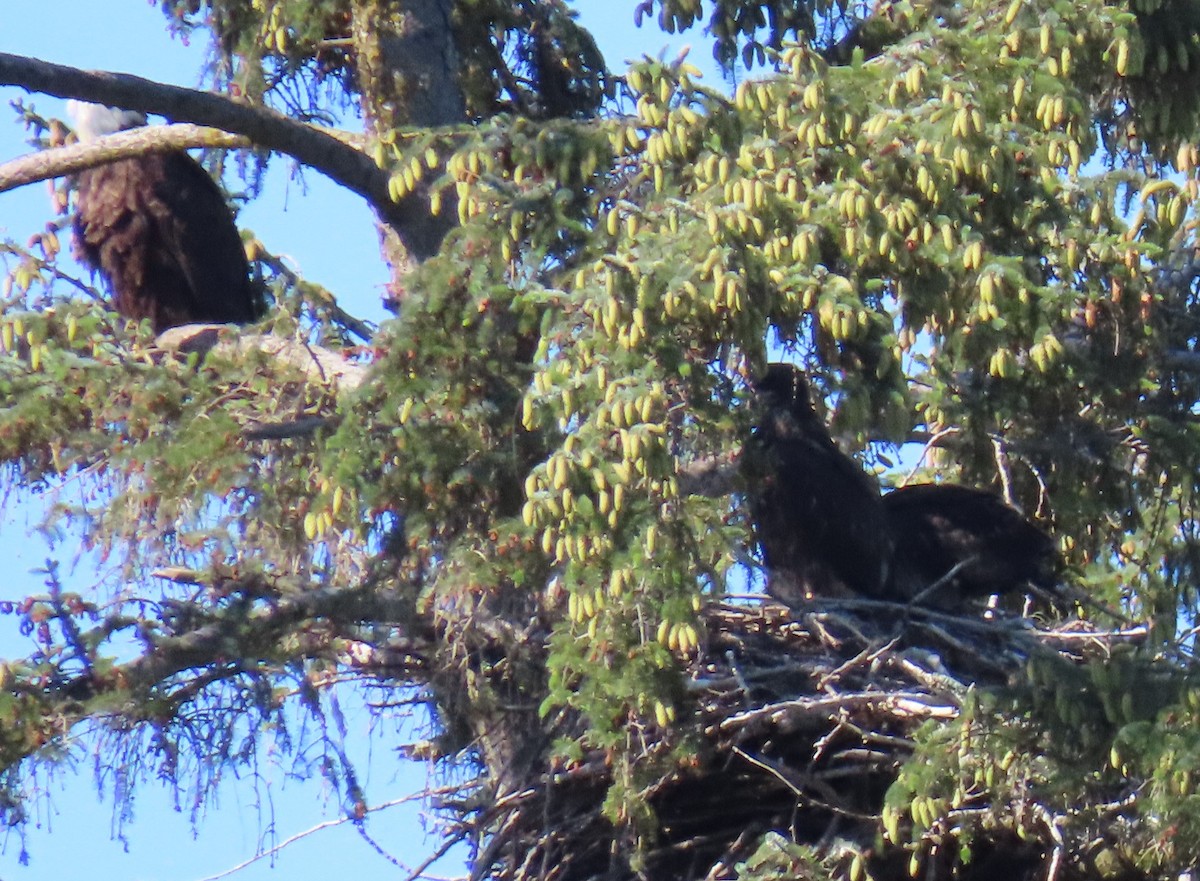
[(784, 389), (778, 385), (784, 386), (94, 120)]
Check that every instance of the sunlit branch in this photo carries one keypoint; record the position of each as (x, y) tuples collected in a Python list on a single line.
[(317, 363), (300, 836), (63, 161), (340, 160)]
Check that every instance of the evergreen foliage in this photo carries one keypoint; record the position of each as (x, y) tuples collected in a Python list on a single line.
[(972, 223)]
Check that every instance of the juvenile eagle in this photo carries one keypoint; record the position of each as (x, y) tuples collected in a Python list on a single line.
[(819, 517), (160, 233), (936, 527)]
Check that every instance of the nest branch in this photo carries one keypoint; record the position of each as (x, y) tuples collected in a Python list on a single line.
[(805, 718)]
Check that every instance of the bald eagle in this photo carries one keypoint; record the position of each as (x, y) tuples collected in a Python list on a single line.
[(936, 527), (160, 233), (819, 517)]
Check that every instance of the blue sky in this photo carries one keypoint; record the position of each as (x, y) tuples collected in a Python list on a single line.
[(328, 235)]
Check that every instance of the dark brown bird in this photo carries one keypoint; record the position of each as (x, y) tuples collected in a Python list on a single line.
[(819, 517), (158, 230), (936, 527)]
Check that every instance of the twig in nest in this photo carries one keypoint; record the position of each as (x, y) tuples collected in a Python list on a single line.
[(736, 669), (742, 680), (1083, 645), (450, 841), (775, 771), (866, 657), (1002, 467), (510, 803), (817, 629), (823, 743), (891, 740), (943, 581), (935, 682), (1055, 833), (954, 642), (723, 867), (787, 716)]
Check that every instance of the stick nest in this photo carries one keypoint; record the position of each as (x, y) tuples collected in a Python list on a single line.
[(806, 717)]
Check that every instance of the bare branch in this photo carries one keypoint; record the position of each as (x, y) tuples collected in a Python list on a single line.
[(179, 575), (711, 477), (303, 427), (317, 363), (340, 160), (300, 836), (215, 640), (48, 164)]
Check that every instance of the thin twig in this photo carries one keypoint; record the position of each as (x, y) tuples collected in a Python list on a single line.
[(770, 768), (1052, 827), (357, 326), (944, 580), (929, 445), (866, 657), (450, 842), (1002, 467), (361, 829), (287, 842)]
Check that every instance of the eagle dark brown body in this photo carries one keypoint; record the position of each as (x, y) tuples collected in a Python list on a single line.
[(158, 230), (825, 530), (820, 520), (936, 527)]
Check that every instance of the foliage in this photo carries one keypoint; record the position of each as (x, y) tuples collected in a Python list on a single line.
[(529, 57), (973, 223)]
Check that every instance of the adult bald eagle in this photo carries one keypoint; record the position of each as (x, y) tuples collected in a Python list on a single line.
[(937, 527), (160, 233), (819, 517)]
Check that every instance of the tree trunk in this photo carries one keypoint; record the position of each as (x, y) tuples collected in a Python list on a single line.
[(408, 77)]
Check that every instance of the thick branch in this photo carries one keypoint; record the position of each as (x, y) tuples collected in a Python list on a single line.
[(711, 477), (303, 427), (316, 362), (67, 160), (254, 634), (340, 161)]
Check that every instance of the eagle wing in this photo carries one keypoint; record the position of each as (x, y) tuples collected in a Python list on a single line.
[(939, 526), (158, 230), (202, 241)]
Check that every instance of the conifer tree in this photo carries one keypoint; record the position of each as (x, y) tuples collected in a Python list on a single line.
[(971, 223)]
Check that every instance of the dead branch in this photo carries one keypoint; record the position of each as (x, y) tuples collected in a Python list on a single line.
[(304, 427), (272, 852), (318, 364), (63, 161), (790, 716), (710, 477), (336, 157)]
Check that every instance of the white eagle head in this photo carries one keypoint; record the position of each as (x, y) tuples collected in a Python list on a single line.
[(93, 120)]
